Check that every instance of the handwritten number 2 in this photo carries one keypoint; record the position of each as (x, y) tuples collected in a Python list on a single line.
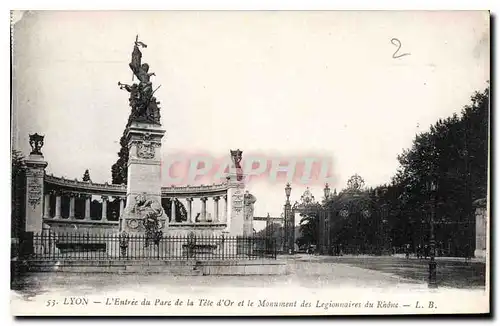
[(397, 43)]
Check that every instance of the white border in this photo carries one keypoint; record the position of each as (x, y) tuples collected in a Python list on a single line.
[(177, 5)]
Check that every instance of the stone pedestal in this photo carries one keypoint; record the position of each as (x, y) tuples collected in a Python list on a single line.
[(249, 201), (35, 172), (235, 207), (144, 175), (481, 228)]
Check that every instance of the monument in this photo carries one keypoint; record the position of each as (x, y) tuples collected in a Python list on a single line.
[(144, 215), (143, 212)]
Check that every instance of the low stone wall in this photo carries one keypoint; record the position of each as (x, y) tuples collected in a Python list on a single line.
[(177, 268), (199, 229), (85, 227)]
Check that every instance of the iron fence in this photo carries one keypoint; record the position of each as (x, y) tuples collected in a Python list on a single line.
[(77, 246)]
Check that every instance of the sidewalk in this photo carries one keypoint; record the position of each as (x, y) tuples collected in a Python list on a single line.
[(398, 256)]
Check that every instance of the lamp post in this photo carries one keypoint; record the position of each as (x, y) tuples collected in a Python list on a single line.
[(289, 228), (324, 222), (431, 186), (326, 191)]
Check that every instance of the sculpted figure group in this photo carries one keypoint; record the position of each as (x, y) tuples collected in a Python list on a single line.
[(150, 211), (144, 105)]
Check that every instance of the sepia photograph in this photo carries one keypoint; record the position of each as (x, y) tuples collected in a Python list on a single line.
[(237, 163)]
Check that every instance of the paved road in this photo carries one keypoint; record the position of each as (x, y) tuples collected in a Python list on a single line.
[(451, 272), (311, 278)]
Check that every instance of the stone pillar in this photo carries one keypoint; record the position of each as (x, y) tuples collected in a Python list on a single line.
[(224, 213), (203, 217), (248, 210), (190, 210), (481, 228), (72, 198), (143, 171), (46, 202), (87, 207), (172, 209), (104, 214), (35, 173), (57, 214), (216, 209)]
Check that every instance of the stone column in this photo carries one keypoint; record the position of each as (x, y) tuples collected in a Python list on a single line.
[(46, 202), (216, 209), (72, 198), (57, 214), (87, 207), (172, 209), (190, 210), (224, 214), (104, 214), (121, 205), (203, 217)]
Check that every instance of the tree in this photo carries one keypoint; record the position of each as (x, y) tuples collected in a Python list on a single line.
[(119, 169), (18, 186), (86, 176), (308, 227), (274, 231), (454, 155)]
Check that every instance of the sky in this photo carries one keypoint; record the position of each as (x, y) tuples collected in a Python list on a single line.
[(283, 83)]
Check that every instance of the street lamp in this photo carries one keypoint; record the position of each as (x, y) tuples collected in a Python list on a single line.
[(432, 187), (326, 191), (289, 227), (288, 190)]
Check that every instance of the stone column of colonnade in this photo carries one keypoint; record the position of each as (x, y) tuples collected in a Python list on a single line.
[(216, 209), (57, 214), (104, 213), (190, 218), (224, 215), (122, 205), (203, 215), (46, 208), (72, 198), (87, 207), (172, 209)]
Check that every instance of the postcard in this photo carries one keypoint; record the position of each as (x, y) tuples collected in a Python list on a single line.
[(222, 163)]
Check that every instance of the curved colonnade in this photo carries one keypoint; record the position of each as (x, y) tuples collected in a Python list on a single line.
[(72, 204)]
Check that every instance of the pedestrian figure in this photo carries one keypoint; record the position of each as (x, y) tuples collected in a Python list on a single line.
[(419, 252), (426, 251), (407, 251)]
